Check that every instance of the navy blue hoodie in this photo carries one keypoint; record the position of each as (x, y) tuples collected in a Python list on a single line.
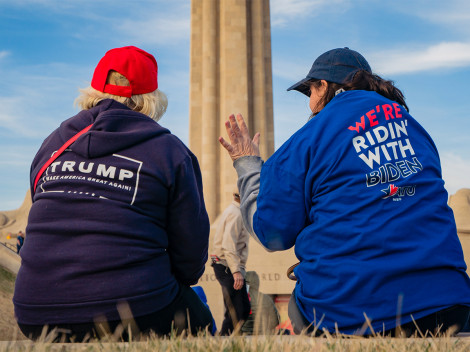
[(118, 217)]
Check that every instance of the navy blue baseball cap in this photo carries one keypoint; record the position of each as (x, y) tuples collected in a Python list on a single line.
[(336, 65)]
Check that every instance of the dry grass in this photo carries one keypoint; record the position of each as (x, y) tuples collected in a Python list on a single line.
[(8, 328), (258, 344), (13, 340)]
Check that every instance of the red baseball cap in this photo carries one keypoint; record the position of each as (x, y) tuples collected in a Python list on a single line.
[(138, 66)]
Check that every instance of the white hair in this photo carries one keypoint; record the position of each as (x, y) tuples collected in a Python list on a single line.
[(152, 104)]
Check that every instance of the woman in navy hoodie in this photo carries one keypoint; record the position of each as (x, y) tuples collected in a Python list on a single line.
[(358, 190), (118, 229)]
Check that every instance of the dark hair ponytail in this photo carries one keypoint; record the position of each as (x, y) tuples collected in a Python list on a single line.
[(364, 80)]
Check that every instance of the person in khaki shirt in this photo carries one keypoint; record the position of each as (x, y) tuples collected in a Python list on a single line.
[(230, 252)]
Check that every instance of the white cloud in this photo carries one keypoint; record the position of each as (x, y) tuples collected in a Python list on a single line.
[(10, 117), (451, 17), (35, 103), (146, 21), (61, 5), (17, 156), (3, 54), (19, 118), (294, 7), (452, 13), (291, 70), (455, 171), (284, 10), (156, 30), (406, 60), (155, 23)]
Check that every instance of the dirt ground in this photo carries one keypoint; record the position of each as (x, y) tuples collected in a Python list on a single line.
[(8, 328)]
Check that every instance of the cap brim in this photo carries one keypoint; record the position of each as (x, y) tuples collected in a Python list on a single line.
[(302, 86)]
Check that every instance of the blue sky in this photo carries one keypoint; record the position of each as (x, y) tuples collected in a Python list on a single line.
[(49, 48)]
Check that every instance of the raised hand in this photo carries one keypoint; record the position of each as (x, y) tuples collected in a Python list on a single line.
[(241, 143)]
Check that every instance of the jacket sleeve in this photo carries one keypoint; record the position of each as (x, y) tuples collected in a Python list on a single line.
[(188, 224), (248, 169), (233, 228), (281, 212), (273, 202)]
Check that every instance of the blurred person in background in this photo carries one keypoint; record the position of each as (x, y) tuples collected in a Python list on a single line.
[(229, 256), (19, 241), (264, 317)]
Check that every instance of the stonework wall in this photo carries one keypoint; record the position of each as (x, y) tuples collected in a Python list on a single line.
[(460, 204)]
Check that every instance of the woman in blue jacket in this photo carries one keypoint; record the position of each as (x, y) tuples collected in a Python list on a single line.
[(358, 190)]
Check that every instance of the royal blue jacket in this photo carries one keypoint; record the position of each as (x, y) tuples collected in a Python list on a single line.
[(119, 217), (358, 191)]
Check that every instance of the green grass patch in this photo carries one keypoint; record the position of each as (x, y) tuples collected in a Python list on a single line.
[(7, 281)]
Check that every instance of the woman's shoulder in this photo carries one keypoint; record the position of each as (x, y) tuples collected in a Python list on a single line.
[(174, 146), (174, 141)]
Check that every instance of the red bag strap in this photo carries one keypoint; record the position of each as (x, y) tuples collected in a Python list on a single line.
[(57, 153)]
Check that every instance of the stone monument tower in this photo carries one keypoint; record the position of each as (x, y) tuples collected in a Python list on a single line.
[(230, 73)]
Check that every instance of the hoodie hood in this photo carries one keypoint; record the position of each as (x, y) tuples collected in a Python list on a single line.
[(115, 127)]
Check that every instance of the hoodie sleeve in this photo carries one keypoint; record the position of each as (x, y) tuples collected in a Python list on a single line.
[(188, 223)]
